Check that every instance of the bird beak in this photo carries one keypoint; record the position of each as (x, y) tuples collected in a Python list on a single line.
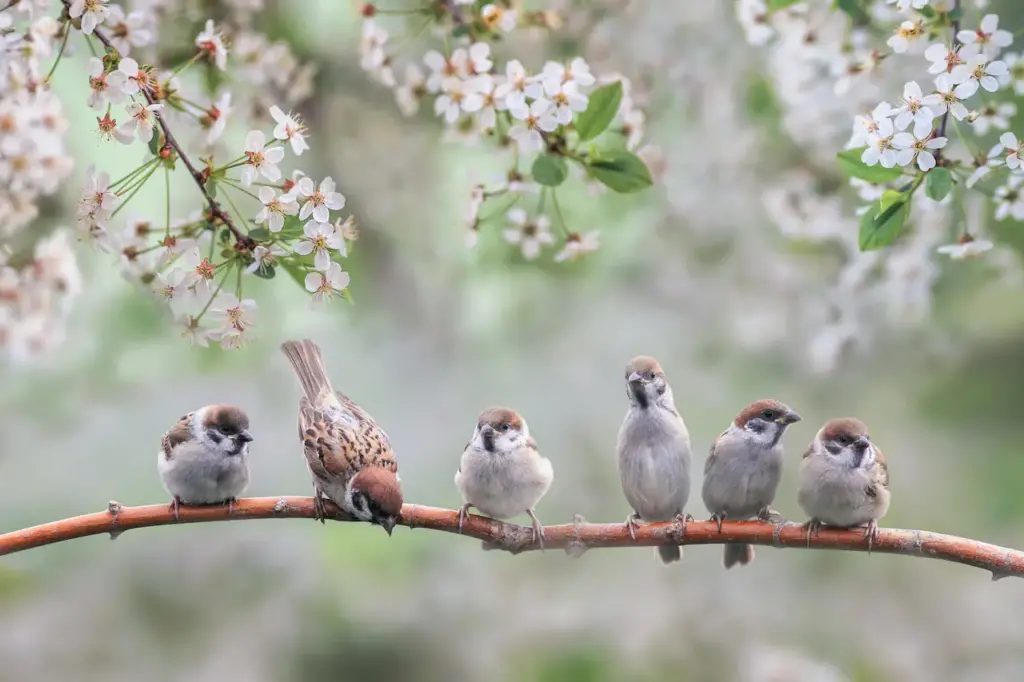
[(790, 417), (388, 524), (245, 437), (487, 431), (862, 443), (635, 378)]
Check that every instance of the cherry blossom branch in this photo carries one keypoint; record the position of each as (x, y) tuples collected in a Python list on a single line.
[(200, 178), (954, 45), (575, 538)]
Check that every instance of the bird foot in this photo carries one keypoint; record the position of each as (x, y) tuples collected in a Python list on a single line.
[(718, 517), (632, 523), (230, 502), (175, 504), (812, 526), (538, 529), (769, 515), (683, 520), (463, 513), (319, 509), (871, 532)]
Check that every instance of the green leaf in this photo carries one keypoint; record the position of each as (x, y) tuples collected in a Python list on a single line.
[(549, 171), (780, 4), (600, 112), (211, 187), (880, 227), (850, 163), (154, 143), (956, 14), (621, 171), (227, 254), (938, 183), (854, 9), (225, 236), (928, 12), (260, 234), (266, 272), (460, 31)]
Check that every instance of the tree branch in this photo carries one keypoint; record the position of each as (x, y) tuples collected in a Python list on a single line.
[(198, 176), (574, 538)]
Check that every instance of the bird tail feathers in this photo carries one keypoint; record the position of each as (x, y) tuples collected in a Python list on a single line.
[(308, 364), (737, 553), (669, 553)]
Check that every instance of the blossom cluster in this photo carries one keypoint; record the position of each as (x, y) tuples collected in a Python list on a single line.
[(558, 121), (251, 220), (932, 145)]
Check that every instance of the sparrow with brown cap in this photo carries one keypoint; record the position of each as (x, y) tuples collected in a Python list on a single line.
[(501, 472), (743, 470), (844, 479), (204, 457), (653, 452), (348, 455)]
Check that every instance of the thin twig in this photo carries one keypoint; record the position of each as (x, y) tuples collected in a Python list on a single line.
[(574, 537), (198, 176)]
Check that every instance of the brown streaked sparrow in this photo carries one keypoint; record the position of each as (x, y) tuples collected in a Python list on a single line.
[(501, 472), (844, 479), (743, 470), (654, 452), (348, 455), (204, 457)]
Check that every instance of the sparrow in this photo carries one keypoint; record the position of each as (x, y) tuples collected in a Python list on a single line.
[(501, 472), (844, 479), (743, 470), (204, 457), (654, 452), (348, 455)]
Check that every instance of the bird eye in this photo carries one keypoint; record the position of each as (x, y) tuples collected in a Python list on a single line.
[(842, 440), (504, 427), (649, 376), (768, 415)]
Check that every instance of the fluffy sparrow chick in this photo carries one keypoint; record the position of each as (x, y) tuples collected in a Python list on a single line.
[(204, 458), (654, 451), (743, 469), (501, 473), (844, 479), (348, 455)]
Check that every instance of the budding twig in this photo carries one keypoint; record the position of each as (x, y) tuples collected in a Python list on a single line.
[(953, 46), (216, 211), (116, 519)]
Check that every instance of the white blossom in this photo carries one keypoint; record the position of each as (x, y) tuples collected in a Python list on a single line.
[(275, 208), (324, 285)]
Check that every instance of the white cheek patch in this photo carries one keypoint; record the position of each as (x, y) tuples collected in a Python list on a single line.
[(868, 460)]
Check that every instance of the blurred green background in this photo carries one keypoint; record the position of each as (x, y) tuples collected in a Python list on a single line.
[(436, 333)]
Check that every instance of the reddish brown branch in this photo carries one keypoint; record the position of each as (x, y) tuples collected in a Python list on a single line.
[(574, 538), (197, 175)]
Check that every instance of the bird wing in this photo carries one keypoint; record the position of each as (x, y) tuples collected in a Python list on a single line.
[(339, 438), (179, 433), (712, 453), (880, 475)]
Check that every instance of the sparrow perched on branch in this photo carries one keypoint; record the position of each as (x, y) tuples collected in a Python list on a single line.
[(743, 470), (654, 452), (204, 458), (844, 479), (347, 453), (501, 472)]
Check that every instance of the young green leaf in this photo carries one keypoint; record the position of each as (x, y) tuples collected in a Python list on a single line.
[(879, 227), (266, 272), (549, 171), (780, 4), (601, 108), (154, 143), (938, 183), (260, 234), (853, 9), (850, 163), (621, 171)]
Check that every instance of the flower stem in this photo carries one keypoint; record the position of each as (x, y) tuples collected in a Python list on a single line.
[(133, 191), (60, 53)]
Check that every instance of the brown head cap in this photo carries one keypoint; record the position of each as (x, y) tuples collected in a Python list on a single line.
[(227, 419), (846, 428), (768, 410), (643, 364), (381, 486), (496, 417)]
